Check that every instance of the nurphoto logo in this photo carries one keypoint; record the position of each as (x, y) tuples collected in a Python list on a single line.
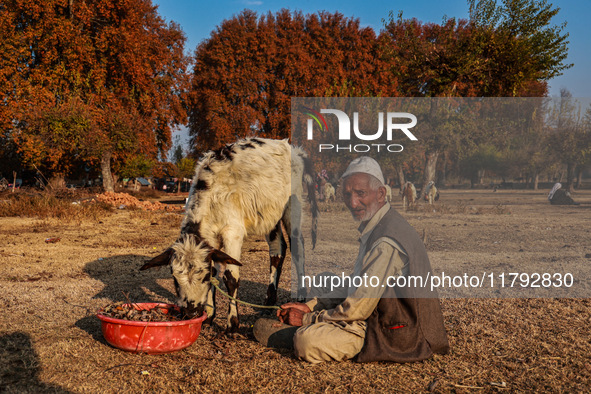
[(394, 124)]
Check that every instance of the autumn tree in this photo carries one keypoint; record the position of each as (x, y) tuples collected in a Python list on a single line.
[(247, 71), (540, 48), (528, 143), (508, 50), (570, 133), (433, 60), (186, 167), (91, 80), (136, 166), (505, 50)]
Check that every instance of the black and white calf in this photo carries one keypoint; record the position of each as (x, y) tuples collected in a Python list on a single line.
[(241, 189)]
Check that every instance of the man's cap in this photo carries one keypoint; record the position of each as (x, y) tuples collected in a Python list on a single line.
[(365, 165)]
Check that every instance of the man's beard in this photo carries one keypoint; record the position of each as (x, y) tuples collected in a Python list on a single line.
[(367, 216)]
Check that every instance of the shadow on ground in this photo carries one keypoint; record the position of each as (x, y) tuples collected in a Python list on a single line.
[(20, 366), (121, 274)]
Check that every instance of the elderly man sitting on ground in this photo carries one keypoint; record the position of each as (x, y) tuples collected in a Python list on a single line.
[(382, 323)]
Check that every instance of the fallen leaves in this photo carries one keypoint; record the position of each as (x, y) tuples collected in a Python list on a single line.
[(132, 312), (125, 200)]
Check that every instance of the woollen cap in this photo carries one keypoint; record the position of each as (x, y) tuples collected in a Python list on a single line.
[(365, 165)]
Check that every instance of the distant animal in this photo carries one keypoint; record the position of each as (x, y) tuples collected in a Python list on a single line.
[(321, 181), (244, 188), (409, 195), (388, 193), (431, 193), (329, 192)]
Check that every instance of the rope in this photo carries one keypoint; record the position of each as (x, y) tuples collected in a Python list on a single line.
[(216, 284)]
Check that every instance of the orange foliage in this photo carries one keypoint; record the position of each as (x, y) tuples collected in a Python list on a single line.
[(459, 59), (247, 71), (83, 79)]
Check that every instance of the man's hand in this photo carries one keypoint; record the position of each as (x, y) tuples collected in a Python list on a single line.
[(292, 313)]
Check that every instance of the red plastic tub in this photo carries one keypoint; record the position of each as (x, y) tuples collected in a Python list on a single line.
[(150, 337)]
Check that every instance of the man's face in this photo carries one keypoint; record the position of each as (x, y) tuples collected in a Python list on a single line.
[(362, 201)]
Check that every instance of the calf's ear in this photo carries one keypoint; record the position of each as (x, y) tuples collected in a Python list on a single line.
[(163, 258), (217, 256)]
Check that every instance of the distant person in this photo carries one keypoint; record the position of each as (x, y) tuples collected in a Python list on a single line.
[(560, 196)]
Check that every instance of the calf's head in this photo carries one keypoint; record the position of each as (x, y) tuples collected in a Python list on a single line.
[(193, 263)]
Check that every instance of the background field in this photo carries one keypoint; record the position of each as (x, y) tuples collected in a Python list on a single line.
[(50, 339)]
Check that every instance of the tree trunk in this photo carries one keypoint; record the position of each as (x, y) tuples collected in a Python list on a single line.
[(570, 177), (401, 179), (430, 167), (579, 177), (444, 170), (473, 179), (106, 172), (536, 179)]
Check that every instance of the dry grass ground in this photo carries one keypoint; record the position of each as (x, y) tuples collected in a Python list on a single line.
[(50, 339)]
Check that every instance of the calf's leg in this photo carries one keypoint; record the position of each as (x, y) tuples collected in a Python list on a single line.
[(292, 219), (232, 241), (277, 249)]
